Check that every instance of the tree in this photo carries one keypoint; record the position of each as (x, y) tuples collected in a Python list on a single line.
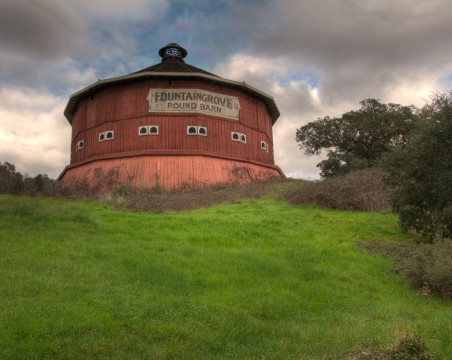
[(421, 172), (11, 181), (358, 138)]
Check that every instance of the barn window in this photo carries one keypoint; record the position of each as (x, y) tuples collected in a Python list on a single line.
[(106, 135), (235, 136), (192, 130), (264, 145), (153, 130), (196, 130), (80, 145), (148, 130)]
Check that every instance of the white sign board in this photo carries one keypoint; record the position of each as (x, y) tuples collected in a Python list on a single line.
[(193, 100)]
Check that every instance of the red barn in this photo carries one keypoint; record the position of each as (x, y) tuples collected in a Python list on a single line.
[(171, 125)]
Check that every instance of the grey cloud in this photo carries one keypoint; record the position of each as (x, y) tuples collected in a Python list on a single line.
[(359, 39), (40, 27), (352, 49), (106, 11)]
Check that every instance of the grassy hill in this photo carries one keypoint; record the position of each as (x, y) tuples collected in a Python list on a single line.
[(255, 279)]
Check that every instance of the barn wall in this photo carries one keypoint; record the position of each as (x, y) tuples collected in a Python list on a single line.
[(124, 107), (168, 172), (171, 159), (173, 136)]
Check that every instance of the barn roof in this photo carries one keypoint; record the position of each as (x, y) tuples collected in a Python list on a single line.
[(173, 61), (171, 66)]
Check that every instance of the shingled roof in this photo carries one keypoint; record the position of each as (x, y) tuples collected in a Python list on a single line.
[(173, 61)]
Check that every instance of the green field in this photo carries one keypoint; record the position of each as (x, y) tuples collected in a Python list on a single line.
[(256, 279)]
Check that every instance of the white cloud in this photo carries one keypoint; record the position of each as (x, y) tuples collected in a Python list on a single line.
[(34, 135)]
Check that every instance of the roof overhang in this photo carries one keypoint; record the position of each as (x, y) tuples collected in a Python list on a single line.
[(75, 98)]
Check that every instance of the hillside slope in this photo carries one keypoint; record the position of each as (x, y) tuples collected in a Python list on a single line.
[(253, 279)]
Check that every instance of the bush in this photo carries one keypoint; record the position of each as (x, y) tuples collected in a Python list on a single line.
[(421, 172), (429, 268), (409, 348), (362, 190)]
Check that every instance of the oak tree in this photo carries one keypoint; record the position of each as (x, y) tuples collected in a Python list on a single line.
[(358, 138)]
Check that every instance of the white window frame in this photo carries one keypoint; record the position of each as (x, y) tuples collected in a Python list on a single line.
[(238, 136), (192, 133), (197, 130), (105, 134), (148, 130), (264, 145), (143, 133), (242, 137), (153, 126), (203, 128), (80, 145)]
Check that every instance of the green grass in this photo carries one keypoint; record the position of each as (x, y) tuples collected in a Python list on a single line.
[(257, 279)]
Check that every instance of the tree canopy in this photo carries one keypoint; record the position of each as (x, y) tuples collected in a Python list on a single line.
[(358, 138)]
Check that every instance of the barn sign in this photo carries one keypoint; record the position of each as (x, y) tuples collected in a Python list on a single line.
[(194, 100)]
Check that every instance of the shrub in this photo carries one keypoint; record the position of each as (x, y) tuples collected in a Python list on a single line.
[(362, 190), (421, 172), (409, 348), (429, 268)]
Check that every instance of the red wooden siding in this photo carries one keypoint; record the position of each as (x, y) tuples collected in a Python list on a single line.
[(168, 172), (210, 159), (124, 108), (128, 101), (173, 136)]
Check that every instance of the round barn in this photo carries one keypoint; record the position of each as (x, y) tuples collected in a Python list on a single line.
[(171, 125)]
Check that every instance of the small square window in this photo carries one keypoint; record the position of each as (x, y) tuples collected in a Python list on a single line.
[(243, 138), (202, 131), (264, 146), (110, 135), (101, 137), (142, 130)]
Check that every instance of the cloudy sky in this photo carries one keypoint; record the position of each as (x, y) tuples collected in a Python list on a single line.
[(315, 57)]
